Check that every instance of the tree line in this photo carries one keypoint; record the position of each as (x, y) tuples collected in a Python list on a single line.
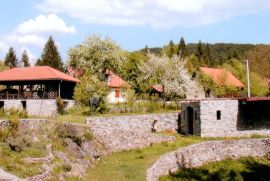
[(50, 56)]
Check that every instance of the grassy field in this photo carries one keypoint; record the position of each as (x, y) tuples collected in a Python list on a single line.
[(242, 169), (132, 165)]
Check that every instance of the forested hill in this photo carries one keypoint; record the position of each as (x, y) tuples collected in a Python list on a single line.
[(218, 53)]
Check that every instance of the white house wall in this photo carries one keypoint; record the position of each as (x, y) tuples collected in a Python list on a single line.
[(111, 96)]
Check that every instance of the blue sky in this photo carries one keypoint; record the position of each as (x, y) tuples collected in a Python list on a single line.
[(131, 23)]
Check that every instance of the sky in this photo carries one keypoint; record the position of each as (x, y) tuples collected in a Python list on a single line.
[(133, 24)]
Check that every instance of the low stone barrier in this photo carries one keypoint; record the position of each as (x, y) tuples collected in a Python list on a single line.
[(129, 132), (199, 154), (138, 123), (26, 123)]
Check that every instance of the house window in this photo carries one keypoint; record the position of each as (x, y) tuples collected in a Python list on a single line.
[(196, 115), (218, 115), (117, 93)]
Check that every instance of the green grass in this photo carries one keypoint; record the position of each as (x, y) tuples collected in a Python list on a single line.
[(132, 165), (71, 118), (242, 169), (13, 162)]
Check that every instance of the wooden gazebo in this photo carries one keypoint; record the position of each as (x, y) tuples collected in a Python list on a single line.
[(42, 82)]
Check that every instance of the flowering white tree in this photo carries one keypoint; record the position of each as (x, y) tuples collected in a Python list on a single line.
[(170, 72), (96, 54)]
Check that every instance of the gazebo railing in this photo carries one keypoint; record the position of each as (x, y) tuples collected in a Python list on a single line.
[(29, 95)]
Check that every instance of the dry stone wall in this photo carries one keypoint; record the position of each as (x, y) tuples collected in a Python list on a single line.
[(130, 132), (138, 123), (199, 154)]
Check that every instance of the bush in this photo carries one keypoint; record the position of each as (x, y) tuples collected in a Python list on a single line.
[(68, 131), (61, 105), (91, 88)]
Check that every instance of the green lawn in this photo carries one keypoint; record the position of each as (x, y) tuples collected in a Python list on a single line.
[(242, 169), (132, 165)]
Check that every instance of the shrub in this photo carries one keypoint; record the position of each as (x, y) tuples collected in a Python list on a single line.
[(61, 105), (68, 131)]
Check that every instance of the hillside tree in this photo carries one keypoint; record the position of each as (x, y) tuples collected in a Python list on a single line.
[(11, 59), (182, 49), (171, 50), (50, 55), (25, 59)]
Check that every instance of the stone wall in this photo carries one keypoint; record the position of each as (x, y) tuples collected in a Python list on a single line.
[(210, 125), (129, 132), (199, 154), (44, 107), (138, 123), (26, 123)]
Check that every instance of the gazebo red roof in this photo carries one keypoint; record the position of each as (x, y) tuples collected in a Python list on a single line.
[(34, 73), (222, 77)]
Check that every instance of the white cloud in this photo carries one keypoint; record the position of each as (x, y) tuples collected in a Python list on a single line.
[(28, 39), (33, 33), (156, 13), (44, 24)]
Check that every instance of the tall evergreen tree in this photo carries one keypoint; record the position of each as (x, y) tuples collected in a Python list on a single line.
[(200, 53), (208, 55), (50, 55), (171, 49), (182, 49), (25, 59), (11, 59), (146, 50)]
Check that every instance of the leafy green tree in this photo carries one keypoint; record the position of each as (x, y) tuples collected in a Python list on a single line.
[(257, 84), (50, 55), (11, 59), (182, 49), (131, 70), (97, 55), (259, 59), (90, 88), (25, 59)]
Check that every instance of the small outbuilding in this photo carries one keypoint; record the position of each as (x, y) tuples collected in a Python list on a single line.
[(225, 117), (117, 87), (35, 89)]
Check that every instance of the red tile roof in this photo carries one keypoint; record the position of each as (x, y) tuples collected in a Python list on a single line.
[(114, 80), (34, 73), (158, 88), (222, 77)]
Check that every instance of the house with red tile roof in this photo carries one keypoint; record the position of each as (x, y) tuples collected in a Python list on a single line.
[(222, 77), (117, 86), (39, 85)]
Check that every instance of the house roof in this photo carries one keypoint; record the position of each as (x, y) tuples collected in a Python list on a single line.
[(157, 88), (34, 73), (113, 80), (222, 77)]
